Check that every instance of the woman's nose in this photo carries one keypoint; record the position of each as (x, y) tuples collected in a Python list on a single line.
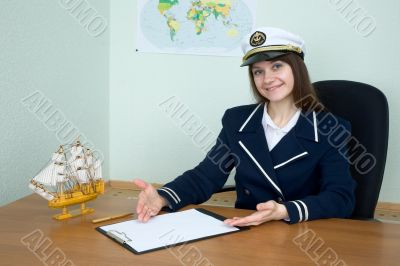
[(268, 78)]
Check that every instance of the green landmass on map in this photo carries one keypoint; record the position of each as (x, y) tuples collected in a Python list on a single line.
[(172, 23), (198, 13), (202, 9), (164, 5)]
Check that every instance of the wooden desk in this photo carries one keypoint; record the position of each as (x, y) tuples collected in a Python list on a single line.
[(274, 243)]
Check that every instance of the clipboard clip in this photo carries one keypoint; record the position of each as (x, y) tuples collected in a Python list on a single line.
[(113, 235)]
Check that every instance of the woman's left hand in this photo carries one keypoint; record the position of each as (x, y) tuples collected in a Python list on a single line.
[(266, 211)]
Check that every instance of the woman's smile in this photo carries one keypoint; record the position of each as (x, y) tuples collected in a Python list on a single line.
[(272, 88)]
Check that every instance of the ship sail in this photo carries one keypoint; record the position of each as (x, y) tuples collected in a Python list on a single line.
[(93, 165), (53, 173), (83, 176), (97, 170), (78, 164), (58, 157), (41, 191)]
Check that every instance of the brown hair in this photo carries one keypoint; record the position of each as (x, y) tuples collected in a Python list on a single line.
[(303, 90)]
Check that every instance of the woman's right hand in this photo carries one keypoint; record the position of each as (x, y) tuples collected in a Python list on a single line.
[(149, 201)]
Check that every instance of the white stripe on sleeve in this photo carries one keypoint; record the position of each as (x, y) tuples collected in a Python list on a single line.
[(173, 192), (299, 210), (169, 193), (305, 210)]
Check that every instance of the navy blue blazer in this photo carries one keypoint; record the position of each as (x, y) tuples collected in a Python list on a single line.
[(304, 171)]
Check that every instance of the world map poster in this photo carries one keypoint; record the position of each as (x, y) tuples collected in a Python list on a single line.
[(201, 27)]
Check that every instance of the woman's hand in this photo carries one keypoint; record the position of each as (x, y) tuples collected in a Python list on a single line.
[(149, 201), (266, 211)]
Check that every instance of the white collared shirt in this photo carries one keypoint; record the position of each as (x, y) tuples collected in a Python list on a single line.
[(273, 133)]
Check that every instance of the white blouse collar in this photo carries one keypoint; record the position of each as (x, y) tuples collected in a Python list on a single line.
[(267, 121)]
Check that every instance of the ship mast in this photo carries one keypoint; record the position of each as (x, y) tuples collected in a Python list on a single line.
[(78, 163), (60, 184)]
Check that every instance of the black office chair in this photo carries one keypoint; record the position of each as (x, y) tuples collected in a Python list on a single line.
[(367, 110)]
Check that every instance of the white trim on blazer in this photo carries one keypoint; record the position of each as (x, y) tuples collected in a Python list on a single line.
[(315, 127), (259, 167), (299, 210), (173, 195), (305, 210), (291, 159), (248, 118)]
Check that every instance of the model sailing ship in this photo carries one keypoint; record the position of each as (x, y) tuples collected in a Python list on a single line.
[(73, 176)]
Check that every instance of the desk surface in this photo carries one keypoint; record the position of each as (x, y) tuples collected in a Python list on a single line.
[(29, 236)]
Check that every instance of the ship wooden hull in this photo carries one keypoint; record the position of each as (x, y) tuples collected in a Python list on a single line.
[(79, 195), (77, 198)]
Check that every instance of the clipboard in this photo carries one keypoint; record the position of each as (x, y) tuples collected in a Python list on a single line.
[(168, 230)]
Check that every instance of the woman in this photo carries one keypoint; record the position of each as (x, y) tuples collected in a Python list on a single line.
[(286, 168)]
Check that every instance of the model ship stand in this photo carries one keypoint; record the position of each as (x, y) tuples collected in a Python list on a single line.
[(65, 214), (73, 176)]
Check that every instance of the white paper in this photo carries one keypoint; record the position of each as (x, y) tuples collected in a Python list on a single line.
[(168, 229)]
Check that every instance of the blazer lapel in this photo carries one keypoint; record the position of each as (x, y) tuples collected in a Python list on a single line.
[(287, 150), (252, 141), (290, 149)]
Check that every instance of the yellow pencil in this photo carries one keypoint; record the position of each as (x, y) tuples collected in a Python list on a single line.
[(111, 217)]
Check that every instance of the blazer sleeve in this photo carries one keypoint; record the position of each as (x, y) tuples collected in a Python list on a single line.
[(336, 197), (198, 184)]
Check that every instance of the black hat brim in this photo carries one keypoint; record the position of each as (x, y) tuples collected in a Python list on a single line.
[(263, 56)]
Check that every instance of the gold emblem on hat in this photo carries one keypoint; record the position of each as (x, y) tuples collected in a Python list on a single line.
[(257, 38)]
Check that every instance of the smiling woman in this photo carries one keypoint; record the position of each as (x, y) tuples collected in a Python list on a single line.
[(273, 80), (285, 169), (302, 87)]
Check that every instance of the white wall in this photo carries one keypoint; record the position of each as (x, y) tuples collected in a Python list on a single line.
[(146, 143), (46, 49)]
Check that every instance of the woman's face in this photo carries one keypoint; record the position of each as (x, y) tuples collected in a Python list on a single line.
[(274, 80)]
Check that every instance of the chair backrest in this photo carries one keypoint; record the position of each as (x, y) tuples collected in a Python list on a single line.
[(367, 110)]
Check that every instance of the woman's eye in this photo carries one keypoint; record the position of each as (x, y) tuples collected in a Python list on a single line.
[(277, 66), (257, 72)]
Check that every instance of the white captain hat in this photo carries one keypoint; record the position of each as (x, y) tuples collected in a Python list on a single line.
[(268, 43)]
